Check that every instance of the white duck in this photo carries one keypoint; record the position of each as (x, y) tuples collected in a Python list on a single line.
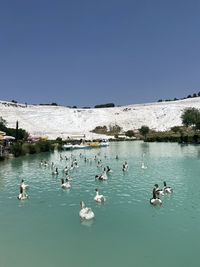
[(167, 189), (143, 166), (22, 195), (99, 198), (158, 191), (65, 185), (85, 213), (102, 176)]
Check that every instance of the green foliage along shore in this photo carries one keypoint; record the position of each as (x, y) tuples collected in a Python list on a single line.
[(21, 149), (191, 118)]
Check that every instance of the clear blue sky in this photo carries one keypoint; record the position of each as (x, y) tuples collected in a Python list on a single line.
[(88, 52)]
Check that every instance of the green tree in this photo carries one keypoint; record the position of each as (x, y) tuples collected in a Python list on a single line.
[(17, 131), (17, 150), (144, 130), (191, 117), (2, 124), (197, 124), (115, 129), (129, 133)]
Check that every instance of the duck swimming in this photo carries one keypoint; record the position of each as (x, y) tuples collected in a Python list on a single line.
[(103, 176), (155, 200), (55, 172), (85, 213), (23, 185), (99, 198), (167, 189), (22, 195), (158, 191), (143, 166), (108, 170), (65, 185), (125, 167)]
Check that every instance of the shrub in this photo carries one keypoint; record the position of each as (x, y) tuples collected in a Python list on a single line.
[(176, 129), (108, 105), (129, 133), (60, 147), (18, 150), (144, 130), (59, 140), (32, 149), (100, 130), (44, 146), (2, 158), (191, 117), (115, 129)]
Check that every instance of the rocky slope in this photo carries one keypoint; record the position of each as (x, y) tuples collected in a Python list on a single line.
[(58, 121)]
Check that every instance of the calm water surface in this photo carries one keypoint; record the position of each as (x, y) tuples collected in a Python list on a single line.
[(46, 230)]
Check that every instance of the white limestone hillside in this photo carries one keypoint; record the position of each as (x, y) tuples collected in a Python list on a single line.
[(55, 121)]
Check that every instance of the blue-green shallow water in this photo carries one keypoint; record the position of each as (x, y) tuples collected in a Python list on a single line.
[(46, 230)]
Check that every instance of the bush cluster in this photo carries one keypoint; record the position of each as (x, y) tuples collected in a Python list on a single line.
[(108, 105), (20, 149), (21, 134)]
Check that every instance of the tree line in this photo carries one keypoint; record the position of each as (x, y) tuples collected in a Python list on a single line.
[(175, 99)]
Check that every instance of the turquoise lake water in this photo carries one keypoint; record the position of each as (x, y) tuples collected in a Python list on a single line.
[(46, 230)]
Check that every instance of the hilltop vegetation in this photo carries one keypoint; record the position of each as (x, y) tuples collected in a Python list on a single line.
[(175, 99)]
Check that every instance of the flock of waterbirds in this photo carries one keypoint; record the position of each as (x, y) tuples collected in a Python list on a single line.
[(66, 180)]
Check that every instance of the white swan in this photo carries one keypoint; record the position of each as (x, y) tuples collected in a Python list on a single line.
[(22, 195), (85, 213), (65, 185), (99, 198), (155, 200), (167, 189), (143, 166), (102, 176)]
